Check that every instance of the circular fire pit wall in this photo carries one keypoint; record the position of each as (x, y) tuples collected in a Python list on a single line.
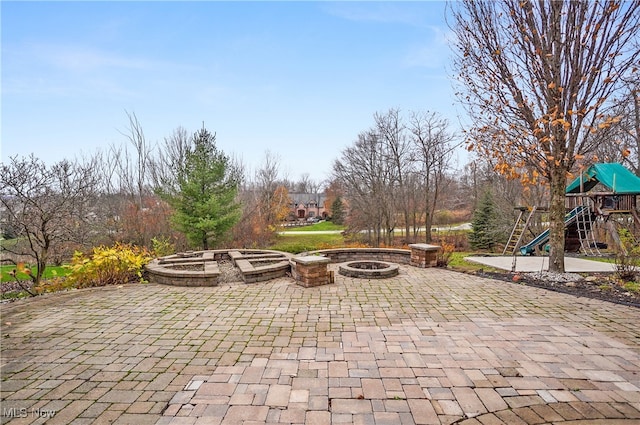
[(369, 269)]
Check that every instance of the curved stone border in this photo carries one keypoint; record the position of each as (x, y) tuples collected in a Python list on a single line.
[(255, 265), (258, 265), (162, 270), (343, 255), (561, 413), (387, 270)]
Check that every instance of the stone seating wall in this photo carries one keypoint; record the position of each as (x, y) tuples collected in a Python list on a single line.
[(341, 255), (255, 265), (207, 277), (253, 272), (263, 265)]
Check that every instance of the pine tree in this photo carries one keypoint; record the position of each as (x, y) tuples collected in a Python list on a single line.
[(337, 211), (205, 201), (484, 232)]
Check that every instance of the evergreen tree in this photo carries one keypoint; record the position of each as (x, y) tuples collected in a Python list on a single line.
[(205, 197), (337, 211), (484, 227)]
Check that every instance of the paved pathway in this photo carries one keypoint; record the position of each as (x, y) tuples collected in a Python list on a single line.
[(427, 347), (537, 264)]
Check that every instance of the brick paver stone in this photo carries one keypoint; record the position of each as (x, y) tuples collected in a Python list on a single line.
[(429, 346), (278, 395)]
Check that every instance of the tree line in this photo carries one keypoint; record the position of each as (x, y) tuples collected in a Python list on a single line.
[(394, 173), (185, 193), (548, 87)]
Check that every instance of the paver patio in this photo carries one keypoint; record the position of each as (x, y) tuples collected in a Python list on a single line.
[(429, 346)]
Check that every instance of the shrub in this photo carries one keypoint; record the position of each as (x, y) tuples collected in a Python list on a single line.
[(162, 247), (120, 263), (54, 284), (628, 257), (444, 217), (444, 256)]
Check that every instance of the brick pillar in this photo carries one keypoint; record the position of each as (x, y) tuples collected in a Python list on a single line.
[(424, 255), (311, 270)]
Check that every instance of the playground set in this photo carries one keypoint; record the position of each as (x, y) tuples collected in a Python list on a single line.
[(603, 198)]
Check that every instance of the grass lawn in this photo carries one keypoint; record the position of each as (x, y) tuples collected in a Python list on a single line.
[(608, 259), (322, 226), (49, 272), (458, 263), (306, 242)]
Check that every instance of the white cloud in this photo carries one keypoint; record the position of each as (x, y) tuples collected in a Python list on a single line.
[(70, 70), (433, 54), (79, 59), (404, 13), (88, 60)]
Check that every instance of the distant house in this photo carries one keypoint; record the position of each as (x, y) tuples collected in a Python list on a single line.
[(307, 205)]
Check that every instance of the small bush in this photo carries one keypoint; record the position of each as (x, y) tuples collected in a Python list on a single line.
[(108, 266), (444, 256), (444, 217), (458, 238), (628, 258), (632, 286), (163, 247), (54, 284)]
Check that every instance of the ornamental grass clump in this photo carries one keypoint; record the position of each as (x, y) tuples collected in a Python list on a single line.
[(117, 264)]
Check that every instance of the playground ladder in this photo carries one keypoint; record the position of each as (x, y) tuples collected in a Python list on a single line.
[(584, 225), (515, 239)]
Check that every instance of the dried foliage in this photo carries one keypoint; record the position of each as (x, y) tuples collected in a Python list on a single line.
[(117, 264), (534, 77), (265, 204)]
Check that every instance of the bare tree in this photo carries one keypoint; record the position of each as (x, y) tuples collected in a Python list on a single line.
[(270, 198), (130, 171), (133, 169), (304, 184), (619, 139), (265, 203), (126, 185), (395, 147), (168, 160), (534, 79), (393, 174), (367, 178), (433, 146), (47, 206)]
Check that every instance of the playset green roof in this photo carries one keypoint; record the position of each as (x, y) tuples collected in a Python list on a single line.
[(614, 176)]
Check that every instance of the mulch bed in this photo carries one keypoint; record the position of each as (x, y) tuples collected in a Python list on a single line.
[(598, 286)]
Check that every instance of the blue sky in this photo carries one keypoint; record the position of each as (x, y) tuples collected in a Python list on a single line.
[(298, 79)]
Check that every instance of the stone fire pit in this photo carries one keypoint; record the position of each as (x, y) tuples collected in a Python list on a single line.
[(368, 269)]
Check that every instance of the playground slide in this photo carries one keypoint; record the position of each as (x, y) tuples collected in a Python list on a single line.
[(543, 237)]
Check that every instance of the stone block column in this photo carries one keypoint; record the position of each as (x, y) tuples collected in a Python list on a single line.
[(311, 270), (424, 255)]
